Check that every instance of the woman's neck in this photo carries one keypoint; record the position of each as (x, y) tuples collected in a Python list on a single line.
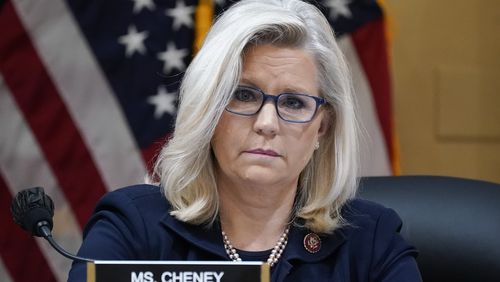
[(253, 217)]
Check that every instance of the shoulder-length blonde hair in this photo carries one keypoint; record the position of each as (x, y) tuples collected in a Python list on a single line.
[(185, 166)]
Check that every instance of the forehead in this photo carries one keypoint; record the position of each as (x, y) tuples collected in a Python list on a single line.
[(278, 69)]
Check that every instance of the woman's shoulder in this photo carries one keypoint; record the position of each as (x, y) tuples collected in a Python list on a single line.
[(137, 191), (366, 218), (134, 211), (373, 231), (142, 199), (358, 209)]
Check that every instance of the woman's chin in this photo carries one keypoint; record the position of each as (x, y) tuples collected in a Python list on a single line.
[(264, 176)]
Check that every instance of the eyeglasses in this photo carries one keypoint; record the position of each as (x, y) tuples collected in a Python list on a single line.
[(291, 107)]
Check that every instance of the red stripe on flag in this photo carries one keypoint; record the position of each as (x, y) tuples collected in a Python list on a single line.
[(50, 121), (371, 46), (20, 253)]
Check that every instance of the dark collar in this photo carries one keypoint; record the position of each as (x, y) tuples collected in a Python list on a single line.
[(210, 240)]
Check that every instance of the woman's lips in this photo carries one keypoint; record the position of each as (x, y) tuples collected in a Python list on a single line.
[(270, 153)]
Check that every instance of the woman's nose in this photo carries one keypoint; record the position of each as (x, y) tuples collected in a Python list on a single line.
[(267, 119)]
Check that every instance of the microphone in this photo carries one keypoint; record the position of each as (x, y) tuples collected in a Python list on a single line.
[(33, 210)]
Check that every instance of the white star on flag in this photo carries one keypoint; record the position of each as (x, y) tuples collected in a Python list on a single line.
[(163, 101), (181, 14), (133, 41), (140, 4), (339, 8), (173, 58)]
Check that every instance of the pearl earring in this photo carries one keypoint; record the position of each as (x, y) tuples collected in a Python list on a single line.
[(316, 146)]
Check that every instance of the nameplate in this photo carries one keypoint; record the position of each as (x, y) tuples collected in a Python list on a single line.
[(177, 271)]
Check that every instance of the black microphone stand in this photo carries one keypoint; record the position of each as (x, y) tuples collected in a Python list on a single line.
[(47, 234), (33, 210)]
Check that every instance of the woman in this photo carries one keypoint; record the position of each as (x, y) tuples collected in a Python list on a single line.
[(262, 164)]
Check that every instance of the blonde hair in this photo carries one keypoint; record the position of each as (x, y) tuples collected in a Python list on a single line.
[(185, 166)]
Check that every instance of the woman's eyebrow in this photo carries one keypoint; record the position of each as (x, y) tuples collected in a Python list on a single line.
[(288, 89)]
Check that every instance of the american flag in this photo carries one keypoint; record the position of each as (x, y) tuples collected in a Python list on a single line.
[(88, 93)]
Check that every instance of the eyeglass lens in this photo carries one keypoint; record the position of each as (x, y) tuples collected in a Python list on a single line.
[(291, 107)]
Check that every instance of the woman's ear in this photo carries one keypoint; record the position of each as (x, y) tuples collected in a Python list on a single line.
[(325, 124)]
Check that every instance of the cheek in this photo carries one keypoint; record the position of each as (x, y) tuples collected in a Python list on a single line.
[(225, 138), (303, 146), (218, 145)]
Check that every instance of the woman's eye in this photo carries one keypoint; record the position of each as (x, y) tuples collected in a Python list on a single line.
[(292, 102), (244, 95)]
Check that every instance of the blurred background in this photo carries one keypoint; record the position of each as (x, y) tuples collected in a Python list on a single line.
[(446, 77), (88, 94)]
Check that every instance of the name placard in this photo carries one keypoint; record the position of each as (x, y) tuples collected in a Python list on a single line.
[(177, 271)]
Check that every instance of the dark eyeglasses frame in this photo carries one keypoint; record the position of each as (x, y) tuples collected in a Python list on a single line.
[(319, 101)]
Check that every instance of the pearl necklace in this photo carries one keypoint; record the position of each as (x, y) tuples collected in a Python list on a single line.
[(275, 252)]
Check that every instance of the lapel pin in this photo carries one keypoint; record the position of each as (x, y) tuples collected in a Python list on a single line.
[(312, 243)]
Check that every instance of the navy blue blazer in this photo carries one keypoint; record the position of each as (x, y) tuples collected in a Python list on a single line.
[(133, 223)]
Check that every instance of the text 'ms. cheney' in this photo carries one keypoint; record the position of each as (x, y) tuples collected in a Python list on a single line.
[(177, 276)]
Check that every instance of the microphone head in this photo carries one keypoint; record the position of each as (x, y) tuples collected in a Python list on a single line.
[(31, 209)]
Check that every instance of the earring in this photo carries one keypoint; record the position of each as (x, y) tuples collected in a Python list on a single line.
[(316, 146)]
